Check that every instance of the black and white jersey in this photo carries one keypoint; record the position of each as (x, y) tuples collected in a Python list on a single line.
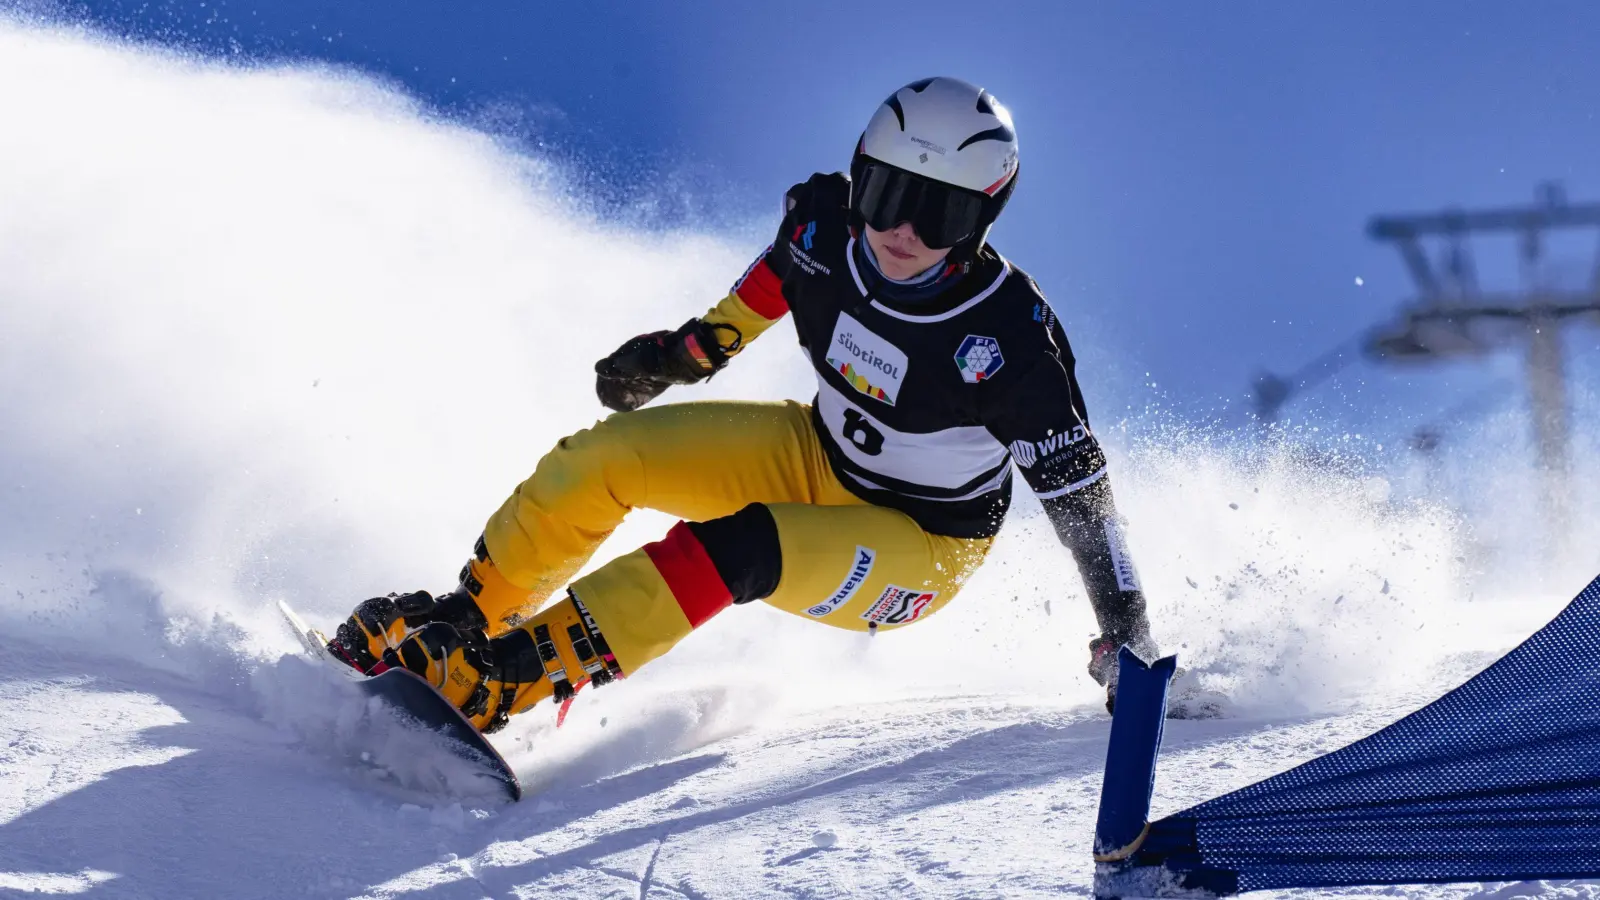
[(924, 408)]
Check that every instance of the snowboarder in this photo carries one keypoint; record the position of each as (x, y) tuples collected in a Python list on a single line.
[(939, 364)]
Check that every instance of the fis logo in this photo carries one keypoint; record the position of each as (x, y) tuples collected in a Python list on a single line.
[(865, 557), (979, 358), (1026, 453), (803, 234), (899, 606)]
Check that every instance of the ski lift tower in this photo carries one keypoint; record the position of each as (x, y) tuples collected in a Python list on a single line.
[(1452, 318)]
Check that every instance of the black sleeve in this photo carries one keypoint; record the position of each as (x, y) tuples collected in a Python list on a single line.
[(762, 285), (821, 194), (1040, 416), (776, 257)]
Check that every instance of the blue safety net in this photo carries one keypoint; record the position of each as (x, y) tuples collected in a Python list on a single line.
[(1499, 780)]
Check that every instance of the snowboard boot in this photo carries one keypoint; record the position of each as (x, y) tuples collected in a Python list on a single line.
[(382, 624), (552, 655), (1103, 665)]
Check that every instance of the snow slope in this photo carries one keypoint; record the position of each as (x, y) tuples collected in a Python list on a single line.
[(280, 333)]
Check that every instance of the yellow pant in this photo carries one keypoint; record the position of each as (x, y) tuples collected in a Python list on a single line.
[(844, 562)]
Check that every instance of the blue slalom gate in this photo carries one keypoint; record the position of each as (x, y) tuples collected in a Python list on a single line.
[(1498, 780)]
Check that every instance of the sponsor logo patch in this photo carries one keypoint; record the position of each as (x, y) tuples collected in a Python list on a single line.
[(1026, 453), (869, 363), (865, 557), (804, 233), (979, 358), (899, 605), (800, 241)]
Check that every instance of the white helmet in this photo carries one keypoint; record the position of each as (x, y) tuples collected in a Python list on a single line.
[(941, 154)]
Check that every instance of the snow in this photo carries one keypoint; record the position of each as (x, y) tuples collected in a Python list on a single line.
[(279, 333)]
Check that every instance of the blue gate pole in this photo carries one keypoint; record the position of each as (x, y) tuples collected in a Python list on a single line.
[(1141, 712)]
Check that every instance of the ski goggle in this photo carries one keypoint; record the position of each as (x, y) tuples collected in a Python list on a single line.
[(942, 215)]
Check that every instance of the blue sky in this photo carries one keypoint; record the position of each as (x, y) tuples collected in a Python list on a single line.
[(1196, 177)]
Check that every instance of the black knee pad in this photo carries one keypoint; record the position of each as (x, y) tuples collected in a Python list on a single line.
[(744, 547)]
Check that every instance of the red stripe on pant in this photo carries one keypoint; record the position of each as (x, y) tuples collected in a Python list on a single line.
[(690, 575)]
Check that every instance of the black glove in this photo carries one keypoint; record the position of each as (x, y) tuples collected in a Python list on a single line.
[(647, 365)]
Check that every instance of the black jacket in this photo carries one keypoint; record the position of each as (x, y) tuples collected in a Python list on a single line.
[(924, 408)]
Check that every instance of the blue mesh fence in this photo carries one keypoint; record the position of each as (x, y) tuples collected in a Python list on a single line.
[(1498, 780)]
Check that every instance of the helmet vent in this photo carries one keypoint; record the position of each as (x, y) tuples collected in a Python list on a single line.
[(917, 87), (1002, 133), (899, 112), (984, 106)]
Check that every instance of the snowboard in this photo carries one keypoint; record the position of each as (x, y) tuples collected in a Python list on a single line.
[(411, 696)]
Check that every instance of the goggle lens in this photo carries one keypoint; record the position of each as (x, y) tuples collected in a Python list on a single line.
[(942, 215)]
